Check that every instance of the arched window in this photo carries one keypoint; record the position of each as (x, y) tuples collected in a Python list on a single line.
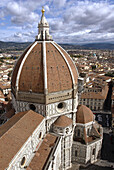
[(88, 132), (76, 153), (93, 153), (98, 130), (40, 135), (23, 161), (67, 130), (78, 133)]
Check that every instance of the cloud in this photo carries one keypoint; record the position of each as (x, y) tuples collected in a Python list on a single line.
[(21, 20), (21, 37), (20, 14), (2, 15), (59, 3), (97, 17), (3, 3), (47, 8), (18, 35), (15, 8), (2, 23), (70, 21)]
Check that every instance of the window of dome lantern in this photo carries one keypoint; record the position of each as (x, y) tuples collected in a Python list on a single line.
[(78, 132), (67, 130), (61, 107), (32, 107)]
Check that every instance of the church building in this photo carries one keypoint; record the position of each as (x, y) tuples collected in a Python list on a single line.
[(49, 131)]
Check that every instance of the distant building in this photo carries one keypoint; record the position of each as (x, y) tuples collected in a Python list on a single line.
[(97, 96), (112, 97), (95, 93), (112, 112)]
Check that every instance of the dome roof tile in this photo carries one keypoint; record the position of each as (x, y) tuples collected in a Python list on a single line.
[(63, 121), (84, 115), (28, 74)]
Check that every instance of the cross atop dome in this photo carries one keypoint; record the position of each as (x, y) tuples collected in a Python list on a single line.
[(43, 26)]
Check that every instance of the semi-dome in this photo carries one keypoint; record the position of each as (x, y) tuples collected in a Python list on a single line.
[(84, 115), (63, 121), (44, 67)]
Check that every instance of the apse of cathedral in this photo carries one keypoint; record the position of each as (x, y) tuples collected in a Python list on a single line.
[(49, 131)]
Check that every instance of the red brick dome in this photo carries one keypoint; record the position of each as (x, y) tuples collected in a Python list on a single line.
[(84, 115), (44, 65), (43, 70)]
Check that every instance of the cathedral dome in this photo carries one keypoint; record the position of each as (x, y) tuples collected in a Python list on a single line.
[(44, 67), (84, 115), (63, 121)]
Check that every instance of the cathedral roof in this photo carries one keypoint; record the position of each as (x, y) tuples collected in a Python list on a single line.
[(84, 115), (14, 134), (44, 66), (63, 121), (42, 154), (10, 113), (5, 127)]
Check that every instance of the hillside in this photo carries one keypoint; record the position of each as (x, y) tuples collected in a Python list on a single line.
[(107, 46), (7, 46), (13, 45)]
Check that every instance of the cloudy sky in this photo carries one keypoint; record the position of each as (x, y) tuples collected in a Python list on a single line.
[(71, 21)]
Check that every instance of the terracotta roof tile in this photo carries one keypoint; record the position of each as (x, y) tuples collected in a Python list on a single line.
[(10, 113), (5, 127), (42, 155), (32, 77), (63, 121), (15, 71), (84, 115), (72, 65), (58, 74), (95, 95), (13, 139), (8, 106)]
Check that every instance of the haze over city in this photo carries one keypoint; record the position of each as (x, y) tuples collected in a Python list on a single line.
[(71, 21)]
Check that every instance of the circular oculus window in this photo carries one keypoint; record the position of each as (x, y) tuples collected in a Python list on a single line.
[(61, 107), (32, 107)]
